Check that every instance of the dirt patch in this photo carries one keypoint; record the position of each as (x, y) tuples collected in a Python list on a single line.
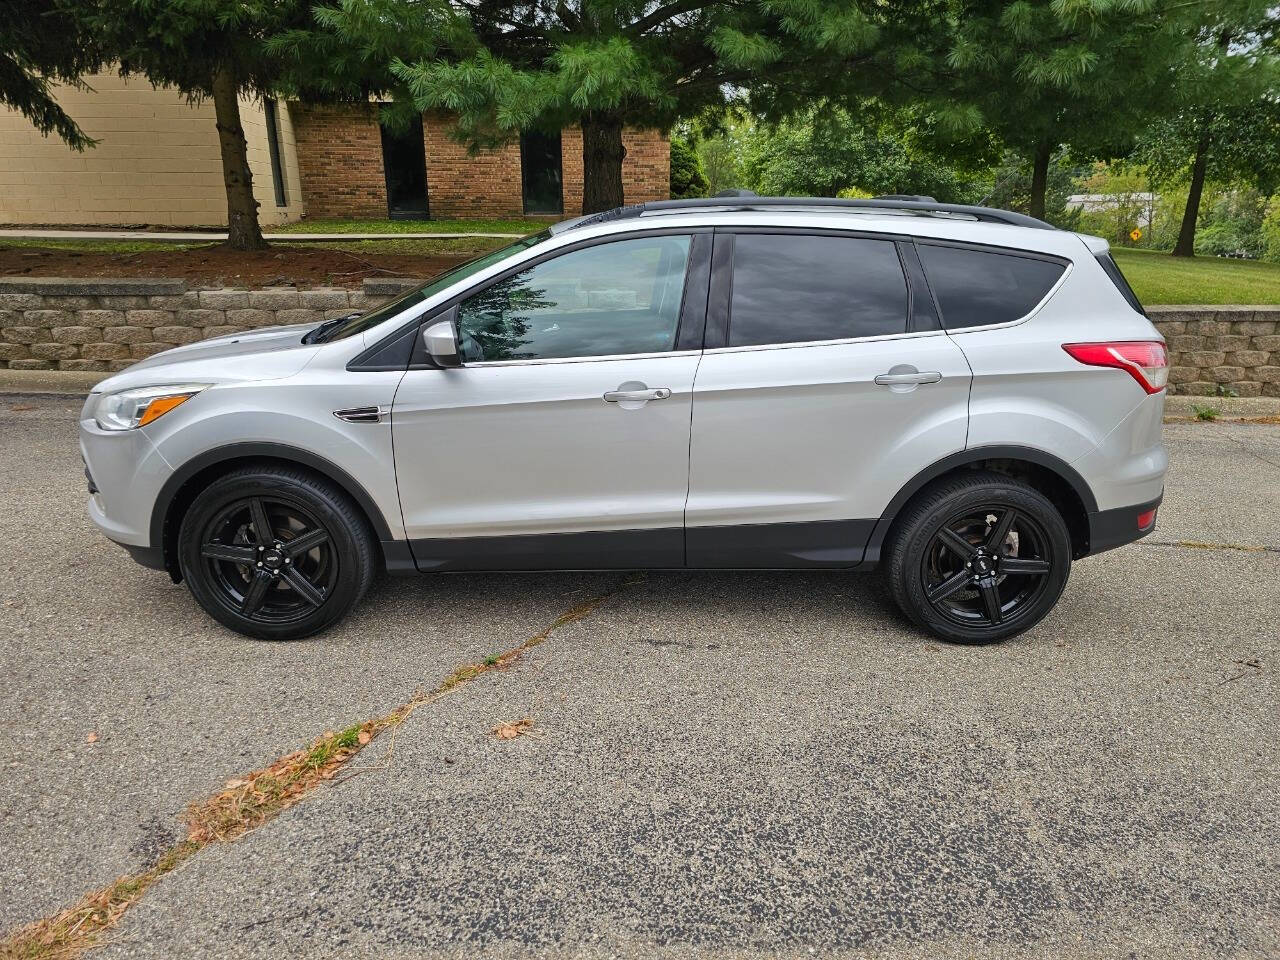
[(215, 265)]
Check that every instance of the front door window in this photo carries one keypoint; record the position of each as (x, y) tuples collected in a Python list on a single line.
[(607, 300)]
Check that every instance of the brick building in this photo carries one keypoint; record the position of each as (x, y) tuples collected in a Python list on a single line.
[(157, 162)]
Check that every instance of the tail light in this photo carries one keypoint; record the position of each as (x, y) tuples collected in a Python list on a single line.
[(1147, 519), (1144, 360)]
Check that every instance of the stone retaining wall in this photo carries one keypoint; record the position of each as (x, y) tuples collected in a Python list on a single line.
[(104, 325), (1236, 347), (48, 324)]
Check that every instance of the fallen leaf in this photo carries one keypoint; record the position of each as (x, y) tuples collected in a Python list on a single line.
[(364, 737), (233, 784), (18, 407), (509, 731), (91, 738)]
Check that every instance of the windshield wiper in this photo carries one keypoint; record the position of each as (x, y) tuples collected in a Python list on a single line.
[(317, 335)]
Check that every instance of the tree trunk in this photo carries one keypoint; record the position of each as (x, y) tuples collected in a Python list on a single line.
[(602, 153), (1040, 178), (243, 232), (1186, 245)]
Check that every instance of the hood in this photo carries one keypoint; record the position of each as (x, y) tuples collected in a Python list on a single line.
[(269, 353)]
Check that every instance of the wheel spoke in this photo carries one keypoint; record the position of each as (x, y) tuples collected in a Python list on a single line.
[(1034, 568), (303, 587), (948, 586), (261, 523), (256, 593), (957, 544), (1000, 532), (305, 541), (990, 591), (229, 552)]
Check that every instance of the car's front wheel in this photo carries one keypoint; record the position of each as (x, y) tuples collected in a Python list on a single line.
[(978, 557), (275, 553)]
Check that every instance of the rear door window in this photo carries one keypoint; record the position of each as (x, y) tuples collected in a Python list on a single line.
[(796, 288), (976, 287)]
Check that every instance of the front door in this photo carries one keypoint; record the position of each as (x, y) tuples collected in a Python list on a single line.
[(563, 440), (824, 389)]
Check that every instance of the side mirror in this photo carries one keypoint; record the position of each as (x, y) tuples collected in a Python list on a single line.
[(441, 343)]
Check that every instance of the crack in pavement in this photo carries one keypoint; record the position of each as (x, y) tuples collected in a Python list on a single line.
[(251, 800), (1201, 545)]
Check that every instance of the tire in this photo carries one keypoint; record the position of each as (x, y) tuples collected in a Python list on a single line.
[(316, 565), (962, 588)]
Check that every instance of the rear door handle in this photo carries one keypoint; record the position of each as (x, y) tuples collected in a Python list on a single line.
[(923, 376), (617, 396)]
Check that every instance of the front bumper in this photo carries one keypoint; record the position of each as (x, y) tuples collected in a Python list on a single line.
[(125, 474)]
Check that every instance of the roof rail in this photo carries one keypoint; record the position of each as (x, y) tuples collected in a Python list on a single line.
[(919, 205)]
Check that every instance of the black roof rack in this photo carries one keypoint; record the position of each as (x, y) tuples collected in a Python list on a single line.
[(923, 206)]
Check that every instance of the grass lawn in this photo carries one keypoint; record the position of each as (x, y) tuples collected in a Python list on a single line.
[(1160, 278), (517, 226)]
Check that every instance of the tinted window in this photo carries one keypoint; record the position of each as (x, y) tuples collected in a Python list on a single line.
[(360, 322), (789, 288), (614, 298), (977, 287)]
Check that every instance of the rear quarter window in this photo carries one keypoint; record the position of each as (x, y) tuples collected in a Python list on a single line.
[(975, 288)]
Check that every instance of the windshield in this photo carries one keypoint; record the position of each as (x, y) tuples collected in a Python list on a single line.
[(358, 323)]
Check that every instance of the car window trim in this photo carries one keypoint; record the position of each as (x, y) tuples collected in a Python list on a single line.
[(691, 232), (417, 359), (720, 317), (1066, 263)]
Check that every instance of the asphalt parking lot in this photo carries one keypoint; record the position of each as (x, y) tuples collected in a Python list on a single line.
[(719, 765)]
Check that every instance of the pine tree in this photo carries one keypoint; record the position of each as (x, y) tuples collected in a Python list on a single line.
[(215, 49), (1035, 75), (42, 43), (603, 65)]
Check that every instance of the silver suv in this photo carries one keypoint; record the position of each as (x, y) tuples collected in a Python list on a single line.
[(967, 397)]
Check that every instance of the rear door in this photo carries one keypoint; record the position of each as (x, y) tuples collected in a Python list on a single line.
[(826, 385)]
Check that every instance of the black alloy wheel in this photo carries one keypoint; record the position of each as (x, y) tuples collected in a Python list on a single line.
[(978, 557), (270, 560), (986, 567), (275, 553)]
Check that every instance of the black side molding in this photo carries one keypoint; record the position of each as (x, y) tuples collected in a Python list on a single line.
[(591, 550)]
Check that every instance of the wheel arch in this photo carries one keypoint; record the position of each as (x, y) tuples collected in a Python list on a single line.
[(1050, 475), (197, 473)]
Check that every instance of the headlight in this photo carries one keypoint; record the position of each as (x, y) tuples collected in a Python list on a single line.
[(136, 408)]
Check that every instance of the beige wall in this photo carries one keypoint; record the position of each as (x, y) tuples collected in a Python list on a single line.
[(156, 163)]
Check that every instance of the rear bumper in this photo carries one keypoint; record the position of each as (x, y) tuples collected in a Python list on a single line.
[(1114, 528)]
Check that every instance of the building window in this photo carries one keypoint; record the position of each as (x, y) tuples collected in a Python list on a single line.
[(404, 164), (273, 148), (540, 172)]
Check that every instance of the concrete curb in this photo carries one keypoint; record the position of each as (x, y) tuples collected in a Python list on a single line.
[(75, 383), (1229, 408)]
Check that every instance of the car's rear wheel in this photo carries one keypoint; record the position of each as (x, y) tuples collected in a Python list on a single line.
[(978, 558), (275, 553)]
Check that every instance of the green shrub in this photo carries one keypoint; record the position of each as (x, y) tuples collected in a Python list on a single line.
[(688, 179)]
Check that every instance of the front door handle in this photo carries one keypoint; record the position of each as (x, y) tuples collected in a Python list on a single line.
[(919, 376), (623, 396)]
